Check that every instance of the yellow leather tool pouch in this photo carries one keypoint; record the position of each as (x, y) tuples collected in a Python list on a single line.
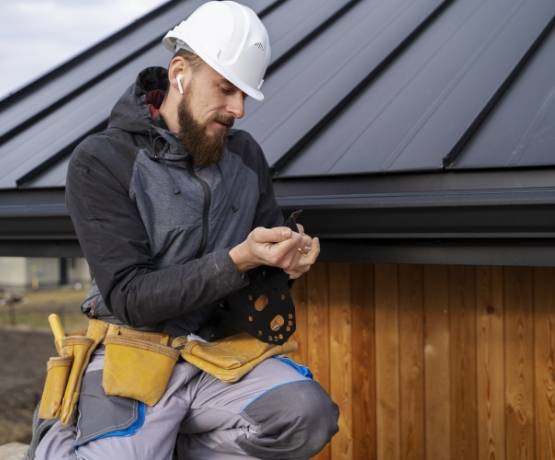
[(57, 372), (138, 369), (79, 349), (231, 358), (64, 374)]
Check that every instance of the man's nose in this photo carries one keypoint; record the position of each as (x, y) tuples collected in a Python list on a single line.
[(236, 104)]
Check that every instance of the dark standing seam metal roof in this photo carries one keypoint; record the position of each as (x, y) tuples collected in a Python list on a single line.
[(418, 113), (407, 130)]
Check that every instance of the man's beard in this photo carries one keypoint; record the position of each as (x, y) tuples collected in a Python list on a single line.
[(204, 149)]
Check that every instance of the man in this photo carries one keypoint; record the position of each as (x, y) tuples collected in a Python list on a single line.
[(172, 208)]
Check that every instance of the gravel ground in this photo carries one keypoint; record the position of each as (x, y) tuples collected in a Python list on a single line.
[(23, 356), (13, 451)]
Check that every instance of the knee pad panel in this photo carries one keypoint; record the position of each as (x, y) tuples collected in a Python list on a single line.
[(294, 420)]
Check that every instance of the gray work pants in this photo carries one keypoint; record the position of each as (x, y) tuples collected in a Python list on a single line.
[(274, 412)]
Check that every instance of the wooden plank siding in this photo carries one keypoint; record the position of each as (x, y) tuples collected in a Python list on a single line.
[(386, 336), (437, 363), (544, 361), (462, 351), (432, 362), (519, 363), (491, 363), (411, 345)]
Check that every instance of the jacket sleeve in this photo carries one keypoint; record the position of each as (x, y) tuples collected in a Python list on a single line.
[(116, 246)]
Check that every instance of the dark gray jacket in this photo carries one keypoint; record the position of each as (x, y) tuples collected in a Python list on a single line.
[(155, 230)]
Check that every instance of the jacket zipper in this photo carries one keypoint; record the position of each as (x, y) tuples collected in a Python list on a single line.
[(207, 198), (205, 210)]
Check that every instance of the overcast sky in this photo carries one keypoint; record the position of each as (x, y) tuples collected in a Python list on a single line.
[(37, 35)]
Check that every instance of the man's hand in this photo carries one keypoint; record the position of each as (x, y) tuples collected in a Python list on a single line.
[(305, 258), (277, 247)]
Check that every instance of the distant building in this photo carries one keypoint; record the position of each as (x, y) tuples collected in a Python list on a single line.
[(28, 272)]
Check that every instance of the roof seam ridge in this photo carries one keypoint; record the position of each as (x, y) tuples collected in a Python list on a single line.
[(451, 158), (341, 105)]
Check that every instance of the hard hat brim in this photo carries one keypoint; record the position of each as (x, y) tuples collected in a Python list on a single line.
[(171, 43), (248, 90)]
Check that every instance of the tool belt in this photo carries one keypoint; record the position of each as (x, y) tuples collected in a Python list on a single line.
[(139, 364)]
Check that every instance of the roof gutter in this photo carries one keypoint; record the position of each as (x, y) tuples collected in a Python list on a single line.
[(476, 227)]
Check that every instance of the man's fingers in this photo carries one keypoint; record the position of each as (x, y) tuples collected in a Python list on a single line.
[(294, 275), (314, 251), (271, 235), (303, 264), (309, 258), (306, 244), (284, 248), (287, 245)]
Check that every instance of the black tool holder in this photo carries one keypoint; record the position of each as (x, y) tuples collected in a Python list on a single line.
[(263, 309)]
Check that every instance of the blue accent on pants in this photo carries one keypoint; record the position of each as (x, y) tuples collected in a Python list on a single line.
[(303, 370), (131, 429)]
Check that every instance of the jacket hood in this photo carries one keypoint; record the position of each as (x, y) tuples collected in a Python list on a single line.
[(131, 112)]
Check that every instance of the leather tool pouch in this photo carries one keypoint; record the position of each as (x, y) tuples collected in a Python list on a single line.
[(136, 368), (57, 372), (63, 379), (230, 359), (77, 348), (64, 373)]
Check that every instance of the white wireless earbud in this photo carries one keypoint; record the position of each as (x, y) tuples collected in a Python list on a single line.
[(179, 84)]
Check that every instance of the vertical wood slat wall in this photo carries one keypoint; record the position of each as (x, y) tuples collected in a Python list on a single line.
[(433, 362)]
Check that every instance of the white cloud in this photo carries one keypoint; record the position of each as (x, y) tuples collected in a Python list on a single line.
[(37, 35)]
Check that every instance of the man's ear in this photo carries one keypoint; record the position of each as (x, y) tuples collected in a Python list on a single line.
[(179, 74)]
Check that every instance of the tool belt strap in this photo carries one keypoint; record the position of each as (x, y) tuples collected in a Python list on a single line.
[(124, 331)]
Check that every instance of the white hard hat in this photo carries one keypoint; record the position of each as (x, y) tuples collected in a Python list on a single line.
[(230, 38)]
